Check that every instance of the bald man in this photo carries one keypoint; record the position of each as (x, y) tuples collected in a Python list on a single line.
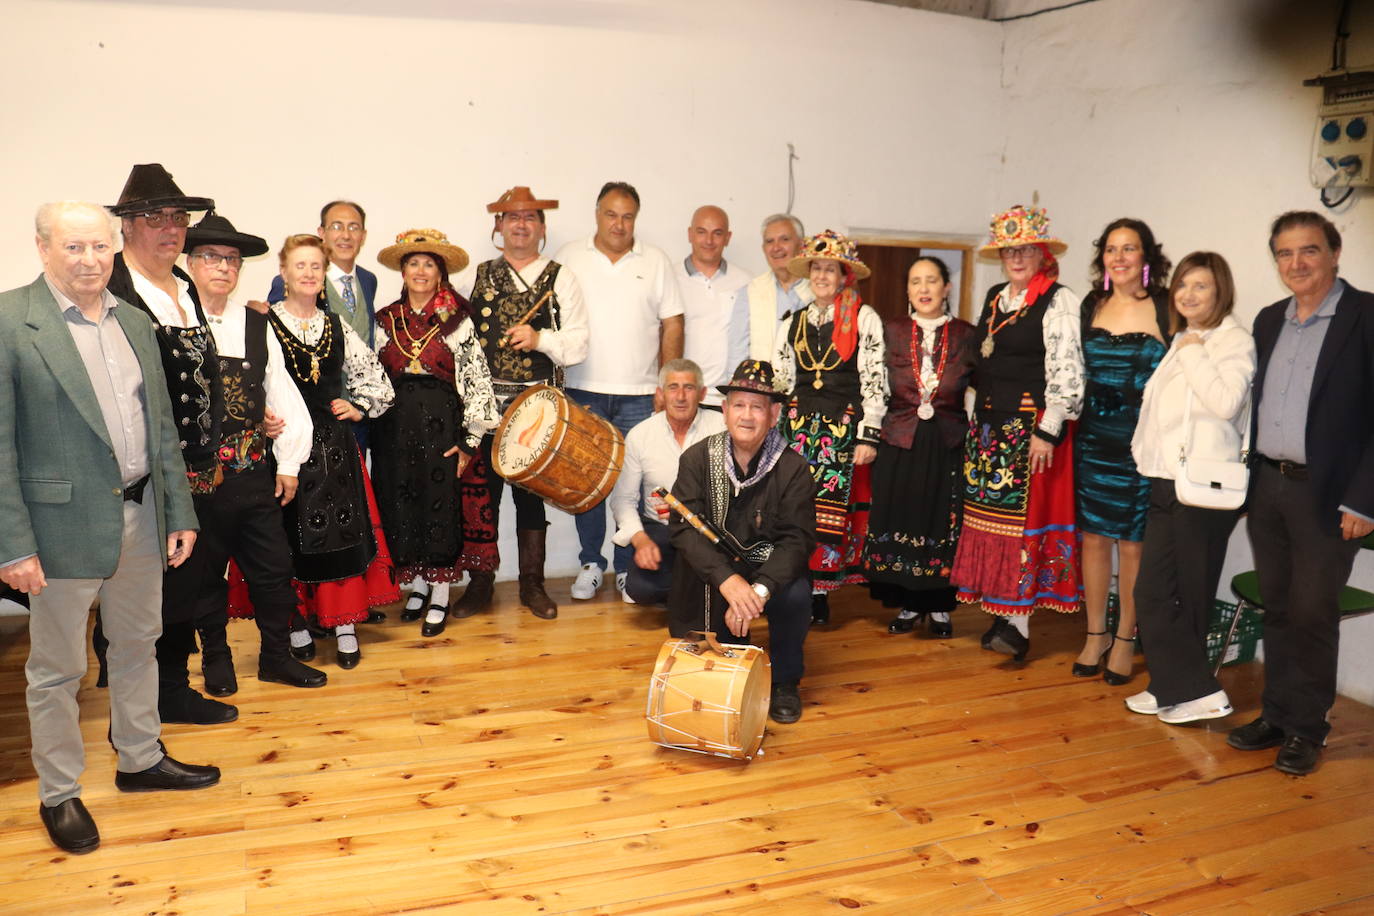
[(709, 286)]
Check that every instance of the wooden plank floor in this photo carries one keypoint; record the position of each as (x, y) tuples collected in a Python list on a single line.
[(503, 768)]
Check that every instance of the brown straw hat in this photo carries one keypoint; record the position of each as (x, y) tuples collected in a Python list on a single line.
[(519, 198)]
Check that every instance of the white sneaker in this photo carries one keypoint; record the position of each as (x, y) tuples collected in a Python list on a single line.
[(587, 582), (1213, 706), (620, 586), (1143, 703)]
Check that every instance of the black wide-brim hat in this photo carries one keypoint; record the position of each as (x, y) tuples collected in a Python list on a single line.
[(214, 229), (150, 187), (756, 377)]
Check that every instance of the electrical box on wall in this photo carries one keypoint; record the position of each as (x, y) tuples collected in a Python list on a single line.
[(1343, 151)]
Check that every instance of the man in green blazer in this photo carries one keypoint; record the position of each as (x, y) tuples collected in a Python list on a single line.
[(93, 504)]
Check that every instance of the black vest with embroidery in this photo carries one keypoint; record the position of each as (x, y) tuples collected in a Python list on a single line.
[(498, 302), (1017, 364), (318, 369), (242, 443), (839, 385)]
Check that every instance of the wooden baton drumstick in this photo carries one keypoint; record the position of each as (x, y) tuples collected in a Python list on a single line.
[(505, 338)]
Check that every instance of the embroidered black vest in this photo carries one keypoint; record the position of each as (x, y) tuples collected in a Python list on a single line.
[(839, 386), (498, 302), (242, 443), (191, 365), (1017, 364)]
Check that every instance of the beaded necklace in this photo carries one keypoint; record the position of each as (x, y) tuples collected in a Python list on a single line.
[(993, 328), (299, 348), (927, 409)]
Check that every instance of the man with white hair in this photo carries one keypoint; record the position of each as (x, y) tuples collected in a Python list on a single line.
[(770, 297), (652, 450), (93, 503)]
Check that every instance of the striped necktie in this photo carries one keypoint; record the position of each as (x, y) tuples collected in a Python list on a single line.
[(349, 298)]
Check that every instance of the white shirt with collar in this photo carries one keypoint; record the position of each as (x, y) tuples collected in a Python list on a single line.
[(651, 457), (626, 302), (161, 305), (292, 447), (707, 304)]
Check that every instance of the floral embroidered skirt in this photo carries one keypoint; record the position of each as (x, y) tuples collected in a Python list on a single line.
[(1019, 546), (917, 508), (842, 493)]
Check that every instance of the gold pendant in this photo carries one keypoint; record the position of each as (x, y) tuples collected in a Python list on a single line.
[(817, 383), (415, 365), (314, 369), (987, 347)]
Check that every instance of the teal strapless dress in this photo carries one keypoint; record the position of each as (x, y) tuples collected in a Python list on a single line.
[(1112, 497)]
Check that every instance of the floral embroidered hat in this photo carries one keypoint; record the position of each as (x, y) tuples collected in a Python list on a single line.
[(754, 376), (828, 245), (1021, 225), (430, 241)]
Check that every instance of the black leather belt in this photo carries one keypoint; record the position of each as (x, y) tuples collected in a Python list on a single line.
[(133, 493), (1290, 469)]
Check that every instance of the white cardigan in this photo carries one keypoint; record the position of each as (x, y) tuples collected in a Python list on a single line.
[(1219, 373)]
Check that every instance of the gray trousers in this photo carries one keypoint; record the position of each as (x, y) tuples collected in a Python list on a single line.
[(131, 607)]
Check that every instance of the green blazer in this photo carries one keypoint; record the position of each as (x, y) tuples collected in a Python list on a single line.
[(61, 491)]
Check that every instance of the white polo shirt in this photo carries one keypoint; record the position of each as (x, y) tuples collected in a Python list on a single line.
[(626, 301), (707, 304)]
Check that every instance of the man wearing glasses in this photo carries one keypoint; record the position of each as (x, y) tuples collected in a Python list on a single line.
[(350, 289)]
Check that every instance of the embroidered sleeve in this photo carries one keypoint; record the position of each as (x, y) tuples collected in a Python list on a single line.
[(1063, 363), (366, 381), (472, 379), (784, 362), (872, 375), (567, 346)]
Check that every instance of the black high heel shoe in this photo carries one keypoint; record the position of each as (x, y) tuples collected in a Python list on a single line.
[(411, 614), (1114, 678), (1081, 670)]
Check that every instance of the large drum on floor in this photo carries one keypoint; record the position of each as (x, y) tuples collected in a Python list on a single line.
[(557, 449), (709, 697)]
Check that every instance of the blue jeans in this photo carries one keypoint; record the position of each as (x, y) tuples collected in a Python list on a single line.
[(623, 411)]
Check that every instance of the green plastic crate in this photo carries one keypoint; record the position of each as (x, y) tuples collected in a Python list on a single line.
[(1243, 644)]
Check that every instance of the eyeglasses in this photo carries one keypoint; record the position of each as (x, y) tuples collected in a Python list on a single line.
[(1018, 253), (337, 226), (210, 259), (181, 219)]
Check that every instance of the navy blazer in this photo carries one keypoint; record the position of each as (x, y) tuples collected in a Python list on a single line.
[(1340, 414)]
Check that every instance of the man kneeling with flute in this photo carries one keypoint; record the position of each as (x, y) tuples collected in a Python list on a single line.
[(743, 532)]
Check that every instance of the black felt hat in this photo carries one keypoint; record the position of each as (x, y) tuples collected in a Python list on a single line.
[(754, 376), (214, 229), (150, 187)]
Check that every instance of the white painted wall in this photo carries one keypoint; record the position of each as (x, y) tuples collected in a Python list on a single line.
[(427, 110), (1193, 117)]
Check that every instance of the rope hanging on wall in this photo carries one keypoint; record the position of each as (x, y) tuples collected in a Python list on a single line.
[(791, 177)]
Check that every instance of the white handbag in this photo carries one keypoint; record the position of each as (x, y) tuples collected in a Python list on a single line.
[(1211, 483)]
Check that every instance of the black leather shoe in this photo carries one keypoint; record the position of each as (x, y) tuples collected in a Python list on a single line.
[(820, 611), (1298, 756), (992, 631), (375, 617), (305, 653), (785, 704), (349, 660), (1009, 641), (1255, 736), (292, 673), (220, 680), (941, 629), (70, 826), (904, 624), (167, 774), (434, 629), (409, 614), (188, 707)]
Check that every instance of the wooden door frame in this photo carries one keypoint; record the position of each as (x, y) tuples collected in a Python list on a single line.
[(969, 249)]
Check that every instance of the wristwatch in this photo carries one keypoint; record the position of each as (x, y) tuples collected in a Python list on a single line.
[(762, 590)]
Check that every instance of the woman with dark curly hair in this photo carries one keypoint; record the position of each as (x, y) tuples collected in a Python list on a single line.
[(1125, 326)]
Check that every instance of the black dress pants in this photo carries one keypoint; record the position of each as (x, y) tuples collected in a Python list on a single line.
[(529, 508), (1302, 566), (789, 620), (243, 520), (651, 586), (1180, 568)]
